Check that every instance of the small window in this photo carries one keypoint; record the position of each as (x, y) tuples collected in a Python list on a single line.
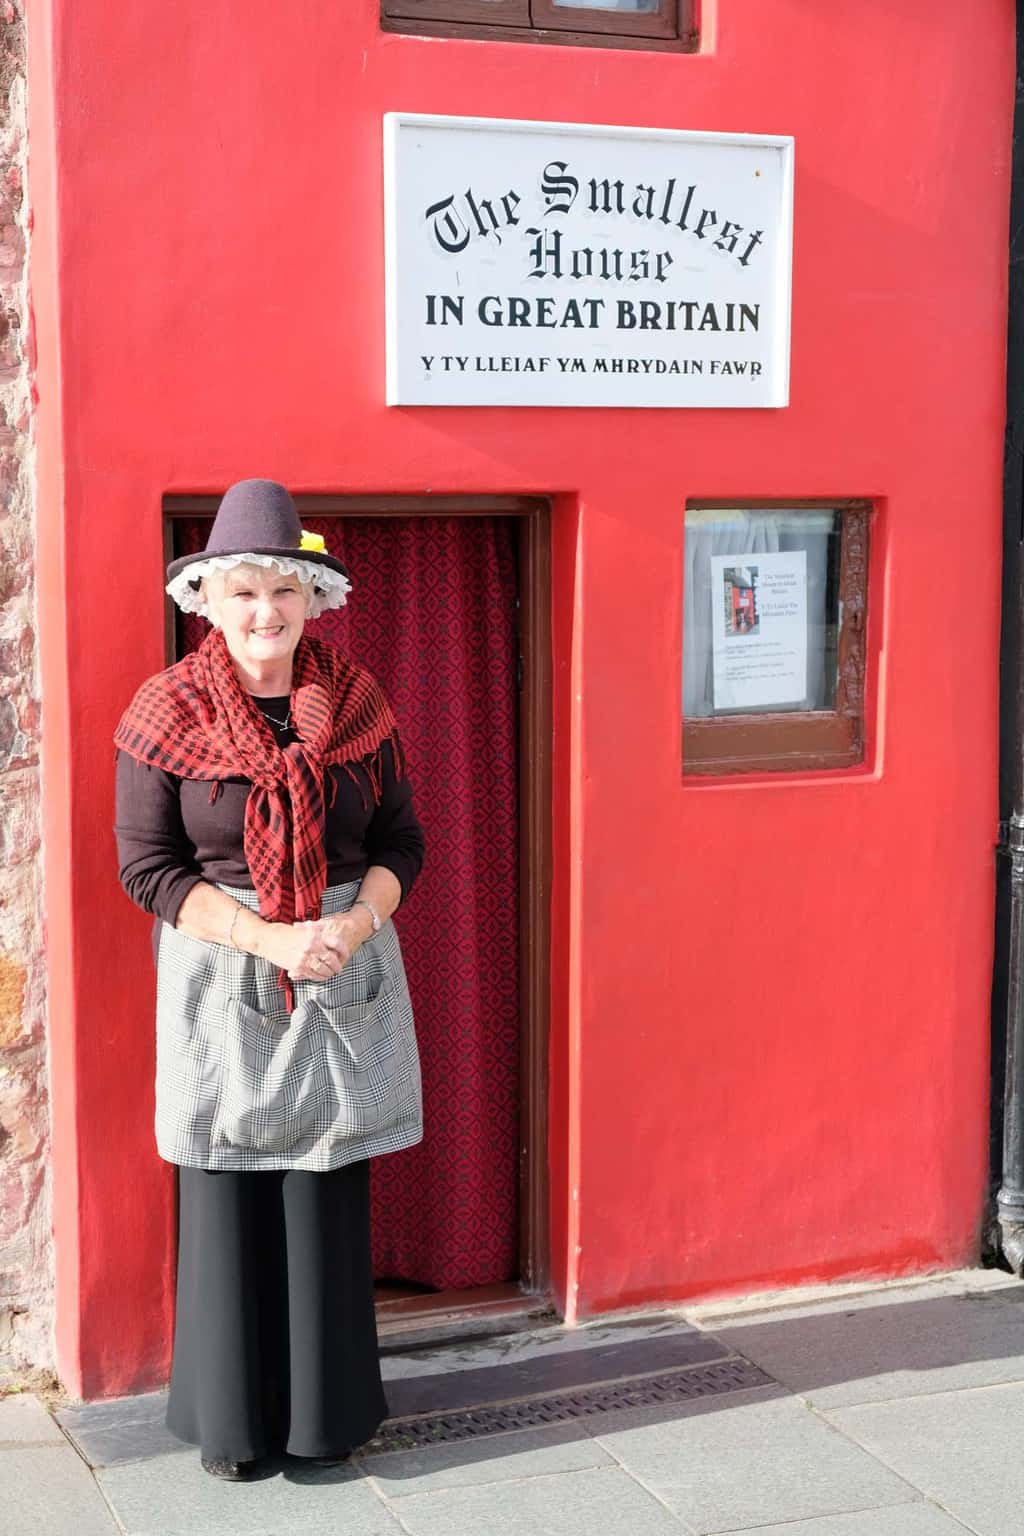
[(774, 636), (609, 23)]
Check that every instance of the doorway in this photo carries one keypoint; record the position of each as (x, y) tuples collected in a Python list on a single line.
[(450, 609)]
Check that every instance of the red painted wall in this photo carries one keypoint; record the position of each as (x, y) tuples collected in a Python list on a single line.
[(208, 285)]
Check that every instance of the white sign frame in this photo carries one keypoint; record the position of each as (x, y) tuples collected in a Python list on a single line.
[(413, 268)]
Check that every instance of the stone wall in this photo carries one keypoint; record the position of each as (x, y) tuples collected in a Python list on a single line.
[(26, 1284)]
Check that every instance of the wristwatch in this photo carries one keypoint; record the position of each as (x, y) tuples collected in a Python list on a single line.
[(372, 911)]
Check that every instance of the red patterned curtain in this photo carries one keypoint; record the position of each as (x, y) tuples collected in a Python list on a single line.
[(432, 614)]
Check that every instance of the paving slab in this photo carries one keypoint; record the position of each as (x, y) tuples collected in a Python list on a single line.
[(120, 1429), (173, 1496), (492, 1459), (962, 1449), (750, 1459), (901, 1520), (872, 1349), (604, 1501), (24, 1421), (51, 1491)]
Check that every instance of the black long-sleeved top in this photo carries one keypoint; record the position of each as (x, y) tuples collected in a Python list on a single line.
[(171, 835)]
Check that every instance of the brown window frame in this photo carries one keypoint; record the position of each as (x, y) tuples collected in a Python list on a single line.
[(672, 27), (459, 13), (794, 741)]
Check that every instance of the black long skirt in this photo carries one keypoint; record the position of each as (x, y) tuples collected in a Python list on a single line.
[(275, 1339)]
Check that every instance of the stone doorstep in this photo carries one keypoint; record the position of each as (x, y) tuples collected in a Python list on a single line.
[(529, 1369)]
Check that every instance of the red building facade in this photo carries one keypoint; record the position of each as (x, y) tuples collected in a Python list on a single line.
[(208, 289)]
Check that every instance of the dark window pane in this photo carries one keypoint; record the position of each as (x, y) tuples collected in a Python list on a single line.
[(761, 610), (626, 18), (646, 7)]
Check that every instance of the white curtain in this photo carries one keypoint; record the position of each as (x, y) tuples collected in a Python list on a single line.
[(738, 531)]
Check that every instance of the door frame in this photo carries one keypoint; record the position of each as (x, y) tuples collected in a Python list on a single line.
[(458, 1310)]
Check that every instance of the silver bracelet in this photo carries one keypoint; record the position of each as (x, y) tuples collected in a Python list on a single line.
[(231, 930), (374, 919)]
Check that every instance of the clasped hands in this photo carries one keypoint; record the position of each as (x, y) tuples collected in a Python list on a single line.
[(316, 951)]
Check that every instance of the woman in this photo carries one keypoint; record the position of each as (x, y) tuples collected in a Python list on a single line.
[(264, 817)]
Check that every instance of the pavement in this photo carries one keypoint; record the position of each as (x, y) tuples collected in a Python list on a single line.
[(892, 1409)]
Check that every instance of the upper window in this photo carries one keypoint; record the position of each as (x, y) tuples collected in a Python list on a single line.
[(608, 23)]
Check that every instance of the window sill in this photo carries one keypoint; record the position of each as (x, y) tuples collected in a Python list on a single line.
[(549, 35), (796, 778)]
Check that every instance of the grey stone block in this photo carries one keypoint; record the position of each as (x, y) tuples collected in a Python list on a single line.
[(899, 1520), (528, 1344), (558, 1371), (605, 1501), (962, 1449), (492, 1459), (173, 1496), (724, 1464), (120, 1429), (50, 1490), (872, 1350), (24, 1421)]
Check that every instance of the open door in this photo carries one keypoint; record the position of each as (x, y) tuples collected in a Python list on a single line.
[(443, 611)]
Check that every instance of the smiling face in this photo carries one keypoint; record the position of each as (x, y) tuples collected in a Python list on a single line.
[(261, 612)]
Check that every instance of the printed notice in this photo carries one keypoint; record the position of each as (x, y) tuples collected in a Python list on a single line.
[(759, 629)]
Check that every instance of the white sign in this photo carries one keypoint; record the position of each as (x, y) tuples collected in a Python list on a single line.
[(759, 629), (532, 263)]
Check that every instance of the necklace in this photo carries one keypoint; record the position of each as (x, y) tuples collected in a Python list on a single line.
[(281, 724)]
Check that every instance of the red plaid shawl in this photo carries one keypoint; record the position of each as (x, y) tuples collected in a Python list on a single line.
[(196, 721)]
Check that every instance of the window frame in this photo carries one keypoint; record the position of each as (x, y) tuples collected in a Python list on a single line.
[(662, 24), (472, 13), (672, 28), (797, 741)]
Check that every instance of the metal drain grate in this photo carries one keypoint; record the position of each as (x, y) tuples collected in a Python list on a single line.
[(534, 1412)]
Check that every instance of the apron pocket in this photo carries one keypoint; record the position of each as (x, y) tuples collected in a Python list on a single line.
[(360, 1066), (269, 1092)]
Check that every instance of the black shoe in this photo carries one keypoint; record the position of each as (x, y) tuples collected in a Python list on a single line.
[(331, 1461), (232, 1471)]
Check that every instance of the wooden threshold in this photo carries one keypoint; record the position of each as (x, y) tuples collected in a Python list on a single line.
[(403, 1318)]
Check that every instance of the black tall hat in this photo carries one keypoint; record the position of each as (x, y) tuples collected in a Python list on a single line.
[(256, 517)]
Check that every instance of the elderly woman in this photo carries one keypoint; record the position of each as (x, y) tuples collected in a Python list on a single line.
[(264, 817)]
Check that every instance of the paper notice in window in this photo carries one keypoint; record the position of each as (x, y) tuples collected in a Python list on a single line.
[(759, 629)]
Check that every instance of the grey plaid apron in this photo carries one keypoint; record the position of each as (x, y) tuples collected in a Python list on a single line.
[(243, 1085)]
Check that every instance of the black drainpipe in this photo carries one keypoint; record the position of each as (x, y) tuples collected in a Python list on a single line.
[(1007, 1117)]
